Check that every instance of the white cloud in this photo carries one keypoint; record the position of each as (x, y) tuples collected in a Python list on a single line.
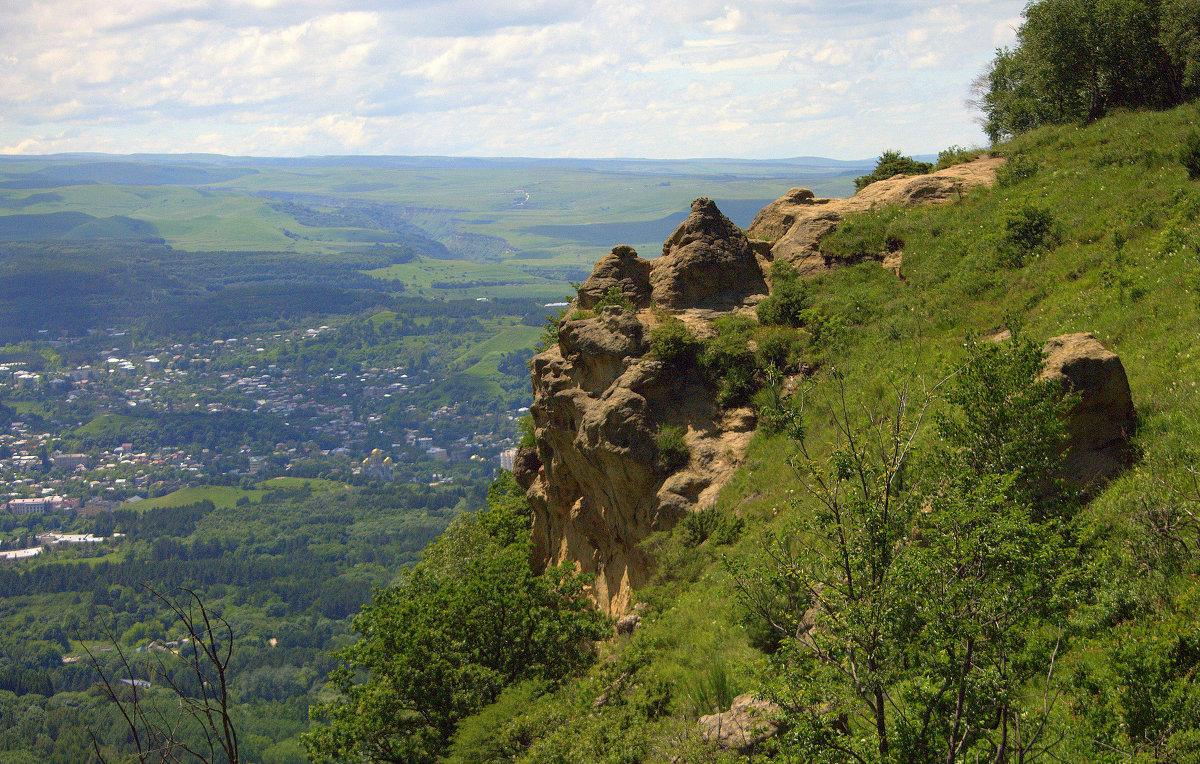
[(522, 77)]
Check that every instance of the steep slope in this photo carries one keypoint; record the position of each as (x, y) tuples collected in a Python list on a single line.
[(598, 485)]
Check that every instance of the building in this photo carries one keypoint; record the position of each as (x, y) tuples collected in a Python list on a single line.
[(69, 461), (508, 458), (379, 466), (35, 506)]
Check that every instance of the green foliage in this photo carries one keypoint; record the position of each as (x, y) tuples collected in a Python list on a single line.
[(869, 235), (615, 296), (670, 450), (891, 612), (1077, 60), (672, 343), (713, 691), (1027, 231), (1004, 420), (953, 155), (1189, 154), (1180, 233), (471, 620), (788, 300), (488, 736), (709, 524), (727, 361), (892, 162), (526, 426), (1017, 168), (549, 335), (779, 347)]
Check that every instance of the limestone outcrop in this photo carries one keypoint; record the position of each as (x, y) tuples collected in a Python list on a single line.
[(1101, 422), (792, 226)]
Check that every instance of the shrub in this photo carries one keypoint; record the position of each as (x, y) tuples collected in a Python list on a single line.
[(614, 296), (709, 524), (1189, 155), (672, 342), (549, 335), (525, 424), (788, 299), (891, 163), (713, 692), (1019, 167), (728, 362), (1026, 231), (778, 347), (955, 155), (671, 451)]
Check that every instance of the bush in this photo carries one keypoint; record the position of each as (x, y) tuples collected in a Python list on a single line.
[(709, 524), (713, 692), (526, 426), (1189, 155), (955, 155), (1019, 167), (549, 335), (779, 347), (728, 362), (672, 342), (671, 452), (892, 163), (1026, 231), (788, 299), (614, 296)]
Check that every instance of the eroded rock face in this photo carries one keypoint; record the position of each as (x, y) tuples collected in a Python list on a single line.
[(599, 401), (623, 269), (1100, 424), (706, 263), (793, 225)]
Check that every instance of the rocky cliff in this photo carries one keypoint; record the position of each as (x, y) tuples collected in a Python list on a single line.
[(597, 480)]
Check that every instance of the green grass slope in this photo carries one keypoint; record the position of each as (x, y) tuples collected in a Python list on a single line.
[(1119, 256)]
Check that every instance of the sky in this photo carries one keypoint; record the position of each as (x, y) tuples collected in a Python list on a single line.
[(660, 79)]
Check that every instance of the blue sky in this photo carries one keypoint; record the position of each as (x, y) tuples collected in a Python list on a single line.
[(541, 78)]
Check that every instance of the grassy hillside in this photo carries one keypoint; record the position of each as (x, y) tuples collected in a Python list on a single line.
[(1116, 252)]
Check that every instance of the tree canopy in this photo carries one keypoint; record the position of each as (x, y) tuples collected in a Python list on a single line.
[(470, 620), (1079, 59)]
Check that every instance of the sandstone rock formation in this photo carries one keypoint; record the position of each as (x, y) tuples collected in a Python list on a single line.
[(706, 263), (599, 402), (748, 722), (793, 225), (622, 268), (1101, 422)]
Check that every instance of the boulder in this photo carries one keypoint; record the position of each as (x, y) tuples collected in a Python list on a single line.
[(1099, 425), (706, 263), (623, 269), (747, 723)]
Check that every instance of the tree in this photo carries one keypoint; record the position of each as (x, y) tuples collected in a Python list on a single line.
[(470, 620), (891, 163), (904, 605), (1076, 60)]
